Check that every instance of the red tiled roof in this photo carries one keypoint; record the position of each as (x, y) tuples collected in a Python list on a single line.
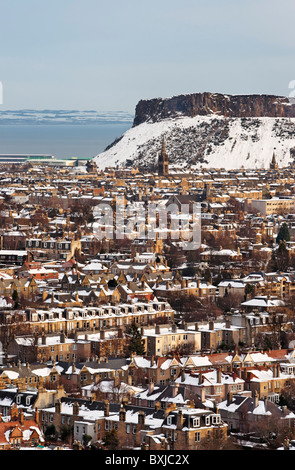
[(6, 428)]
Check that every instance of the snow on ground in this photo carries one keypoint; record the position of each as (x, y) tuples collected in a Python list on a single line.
[(249, 143)]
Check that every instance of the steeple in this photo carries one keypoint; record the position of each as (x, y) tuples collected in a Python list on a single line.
[(163, 163), (273, 165)]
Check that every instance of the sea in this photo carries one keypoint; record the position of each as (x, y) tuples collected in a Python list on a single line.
[(63, 141)]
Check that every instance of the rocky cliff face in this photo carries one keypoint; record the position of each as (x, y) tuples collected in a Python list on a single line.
[(205, 104), (209, 130)]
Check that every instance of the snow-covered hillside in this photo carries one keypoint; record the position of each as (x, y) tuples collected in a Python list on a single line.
[(207, 141)]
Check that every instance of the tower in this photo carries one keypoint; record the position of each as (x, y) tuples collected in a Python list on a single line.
[(273, 164), (163, 163)]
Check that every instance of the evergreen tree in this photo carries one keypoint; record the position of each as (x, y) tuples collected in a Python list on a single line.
[(15, 299), (135, 343), (249, 290), (280, 259), (283, 256), (111, 440), (284, 234)]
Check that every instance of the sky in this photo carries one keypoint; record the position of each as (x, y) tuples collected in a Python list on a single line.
[(108, 55)]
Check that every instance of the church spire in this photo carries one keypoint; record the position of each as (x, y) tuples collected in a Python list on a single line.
[(273, 165), (163, 163)]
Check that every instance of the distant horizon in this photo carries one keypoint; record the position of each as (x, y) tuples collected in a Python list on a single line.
[(63, 117), (127, 111)]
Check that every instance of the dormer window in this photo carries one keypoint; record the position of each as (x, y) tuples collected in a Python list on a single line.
[(216, 419), (196, 422)]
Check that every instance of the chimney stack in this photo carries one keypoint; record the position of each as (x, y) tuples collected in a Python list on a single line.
[(141, 417), (122, 414), (58, 407), (255, 398), (174, 389), (219, 375), (76, 409), (21, 416), (179, 420), (37, 416), (151, 386), (106, 408)]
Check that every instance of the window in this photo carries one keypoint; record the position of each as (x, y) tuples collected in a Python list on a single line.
[(128, 428), (196, 422), (215, 419), (197, 436)]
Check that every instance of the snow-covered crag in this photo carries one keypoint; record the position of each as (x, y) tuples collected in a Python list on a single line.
[(208, 130)]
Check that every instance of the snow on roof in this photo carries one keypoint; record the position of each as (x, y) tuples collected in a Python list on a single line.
[(257, 357), (142, 362), (11, 374), (261, 409), (232, 407), (263, 301), (233, 283), (198, 361), (132, 418)]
